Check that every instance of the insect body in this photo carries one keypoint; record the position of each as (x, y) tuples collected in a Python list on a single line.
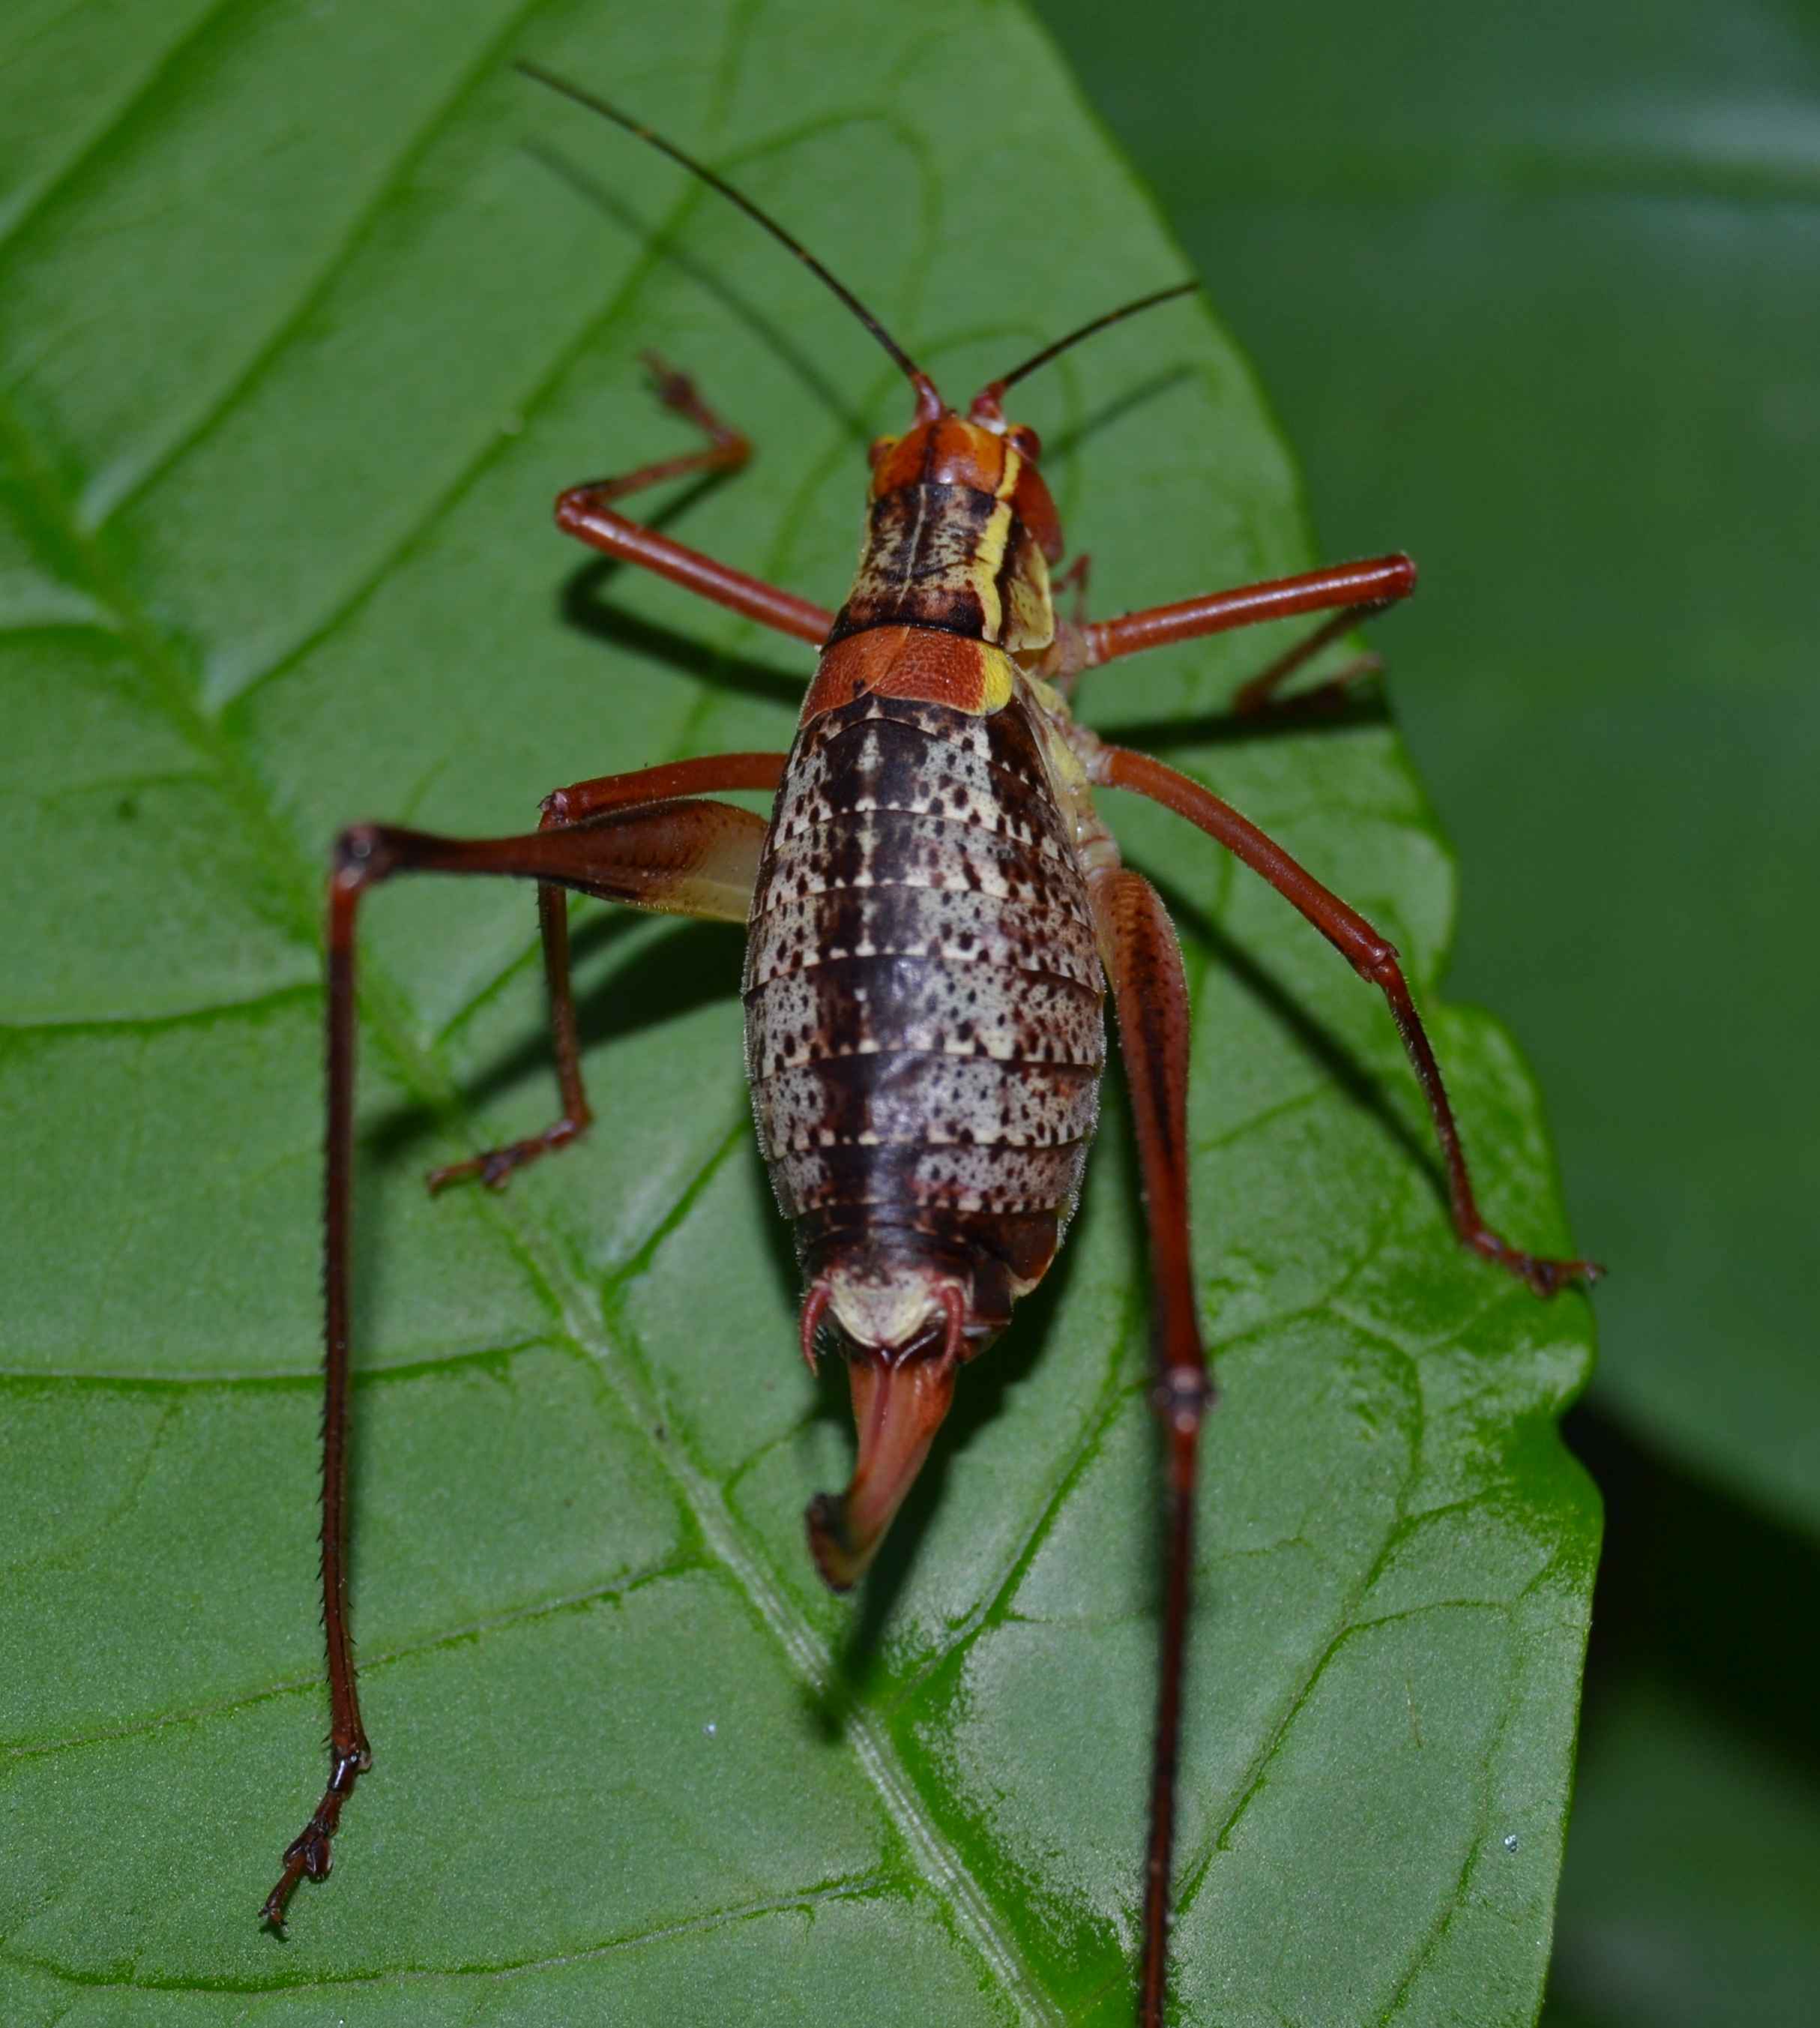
[(923, 992), (935, 910)]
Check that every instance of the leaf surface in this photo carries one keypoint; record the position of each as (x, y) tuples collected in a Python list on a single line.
[(300, 331)]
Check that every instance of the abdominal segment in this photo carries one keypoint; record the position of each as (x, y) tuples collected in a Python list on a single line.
[(924, 1034)]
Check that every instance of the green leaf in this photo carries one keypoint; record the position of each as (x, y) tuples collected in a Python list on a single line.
[(302, 330), (1534, 290)]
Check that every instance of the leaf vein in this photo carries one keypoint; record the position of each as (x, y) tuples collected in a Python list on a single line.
[(87, 146), (853, 1887), (117, 490)]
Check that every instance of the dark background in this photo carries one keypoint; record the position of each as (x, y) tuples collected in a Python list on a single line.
[(1537, 297)]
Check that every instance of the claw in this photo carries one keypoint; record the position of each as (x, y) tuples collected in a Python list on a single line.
[(308, 1856), (494, 1167), (1545, 1277), (311, 1854)]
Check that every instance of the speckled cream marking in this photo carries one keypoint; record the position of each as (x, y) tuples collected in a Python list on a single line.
[(802, 931), (923, 995), (836, 1008)]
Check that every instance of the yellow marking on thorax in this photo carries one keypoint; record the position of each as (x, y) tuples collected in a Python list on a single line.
[(1030, 623), (989, 554), (1000, 674)]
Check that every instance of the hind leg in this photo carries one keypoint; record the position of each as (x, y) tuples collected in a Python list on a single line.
[(563, 808)]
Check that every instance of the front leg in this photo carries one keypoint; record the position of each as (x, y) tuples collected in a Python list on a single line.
[(1356, 589), (1350, 592), (585, 513)]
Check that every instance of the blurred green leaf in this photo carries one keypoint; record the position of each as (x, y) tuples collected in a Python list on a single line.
[(1672, 1804), (300, 330)]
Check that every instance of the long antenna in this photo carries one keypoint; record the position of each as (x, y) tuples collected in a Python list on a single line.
[(928, 401), (1087, 330)]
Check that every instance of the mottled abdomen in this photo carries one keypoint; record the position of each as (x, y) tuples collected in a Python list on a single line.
[(922, 998)]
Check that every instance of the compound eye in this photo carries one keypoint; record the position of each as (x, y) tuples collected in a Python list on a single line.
[(879, 445), (1025, 441)]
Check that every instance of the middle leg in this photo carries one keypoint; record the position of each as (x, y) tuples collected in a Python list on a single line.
[(1372, 957), (587, 512)]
